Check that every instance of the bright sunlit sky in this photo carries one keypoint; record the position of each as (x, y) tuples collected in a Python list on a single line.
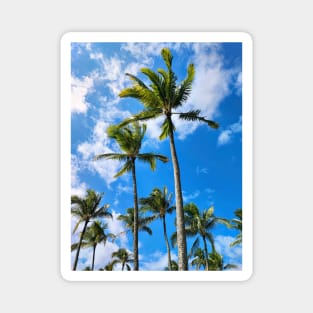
[(210, 160)]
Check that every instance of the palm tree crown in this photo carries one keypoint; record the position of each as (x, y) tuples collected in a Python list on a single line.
[(162, 98), (123, 257)]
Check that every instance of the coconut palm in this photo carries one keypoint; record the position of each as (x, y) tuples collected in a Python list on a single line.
[(200, 225), (129, 139), (159, 203), (199, 259), (216, 262), (86, 209), (129, 221), (174, 266), (163, 98), (123, 257), (95, 234), (237, 224)]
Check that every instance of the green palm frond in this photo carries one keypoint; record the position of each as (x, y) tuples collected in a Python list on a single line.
[(167, 57), (167, 127), (193, 115), (174, 239), (111, 156), (147, 96), (194, 247), (138, 81), (151, 159), (184, 90), (127, 167)]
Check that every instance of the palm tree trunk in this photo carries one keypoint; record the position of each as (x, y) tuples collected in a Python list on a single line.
[(93, 257), (181, 235), (169, 260), (135, 233), (79, 245), (206, 254)]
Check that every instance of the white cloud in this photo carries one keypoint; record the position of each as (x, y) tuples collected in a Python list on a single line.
[(188, 197), (156, 261), (202, 170), (116, 227), (80, 89), (230, 254), (103, 256), (211, 85), (99, 144), (226, 135), (78, 188)]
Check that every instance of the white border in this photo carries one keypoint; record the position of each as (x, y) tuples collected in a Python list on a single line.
[(247, 155)]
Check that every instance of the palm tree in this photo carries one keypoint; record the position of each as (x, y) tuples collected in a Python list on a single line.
[(174, 266), (216, 262), (199, 259), (163, 98), (122, 257), (159, 203), (86, 209), (130, 139), (200, 224), (95, 234), (237, 224), (129, 221)]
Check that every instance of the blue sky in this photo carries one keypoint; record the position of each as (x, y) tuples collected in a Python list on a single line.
[(210, 160)]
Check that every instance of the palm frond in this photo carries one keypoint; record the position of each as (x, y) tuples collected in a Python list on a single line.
[(167, 57), (193, 115), (111, 156), (174, 239), (137, 80), (127, 167), (151, 159), (166, 127)]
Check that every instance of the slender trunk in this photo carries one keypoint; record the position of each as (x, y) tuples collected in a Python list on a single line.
[(169, 260), (79, 245), (206, 254), (181, 235), (135, 232), (123, 265), (93, 257)]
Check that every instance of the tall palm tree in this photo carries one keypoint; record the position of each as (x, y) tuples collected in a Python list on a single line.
[(129, 138), (95, 234), (122, 256), (200, 225), (87, 209), (159, 203), (237, 224), (163, 98)]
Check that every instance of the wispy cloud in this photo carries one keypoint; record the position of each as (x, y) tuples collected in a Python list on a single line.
[(99, 144), (230, 254), (213, 82), (80, 89), (156, 261), (202, 170), (191, 196), (78, 188), (226, 135)]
